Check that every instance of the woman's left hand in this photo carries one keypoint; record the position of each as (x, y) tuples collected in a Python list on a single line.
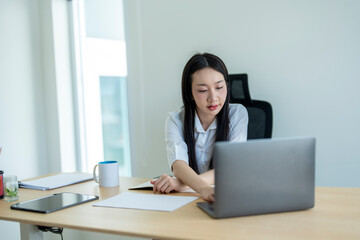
[(166, 184), (207, 194)]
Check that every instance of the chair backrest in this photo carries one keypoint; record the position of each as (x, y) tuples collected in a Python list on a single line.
[(260, 112)]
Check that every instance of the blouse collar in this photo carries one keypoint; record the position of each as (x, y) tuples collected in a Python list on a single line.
[(199, 128)]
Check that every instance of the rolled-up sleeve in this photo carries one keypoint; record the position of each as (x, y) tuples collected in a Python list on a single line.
[(238, 123), (176, 147)]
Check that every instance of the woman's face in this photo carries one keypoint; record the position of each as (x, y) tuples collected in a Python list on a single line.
[(209, 91)]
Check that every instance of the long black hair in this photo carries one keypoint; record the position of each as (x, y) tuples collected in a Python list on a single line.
[(195, 63)]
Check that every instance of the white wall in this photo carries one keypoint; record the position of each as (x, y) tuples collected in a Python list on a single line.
[(34, 103), (34, 106), (104, 18), (22, 133), (21, 93), (301, 56)]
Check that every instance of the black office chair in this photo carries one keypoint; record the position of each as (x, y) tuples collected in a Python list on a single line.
[(260, 112)]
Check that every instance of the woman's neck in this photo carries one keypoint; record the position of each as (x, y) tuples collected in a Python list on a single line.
[(206, 121)]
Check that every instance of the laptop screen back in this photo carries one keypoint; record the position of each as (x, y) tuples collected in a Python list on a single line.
[(264, 176)]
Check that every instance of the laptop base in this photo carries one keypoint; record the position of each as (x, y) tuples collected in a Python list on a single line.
[(207, 207)]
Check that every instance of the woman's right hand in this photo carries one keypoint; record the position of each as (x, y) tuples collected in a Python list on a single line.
[(166, 184)]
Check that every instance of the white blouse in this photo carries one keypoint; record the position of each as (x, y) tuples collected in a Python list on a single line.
[(204, 140)]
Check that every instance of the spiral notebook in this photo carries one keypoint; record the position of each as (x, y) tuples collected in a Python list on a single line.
[(56, 181)]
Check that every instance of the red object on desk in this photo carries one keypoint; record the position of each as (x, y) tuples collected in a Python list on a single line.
[(1, 185)]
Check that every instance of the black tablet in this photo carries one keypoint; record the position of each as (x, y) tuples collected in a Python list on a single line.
[(53, 202)]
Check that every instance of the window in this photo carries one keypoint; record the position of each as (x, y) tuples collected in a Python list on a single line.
[(114, 119), (100, 57)]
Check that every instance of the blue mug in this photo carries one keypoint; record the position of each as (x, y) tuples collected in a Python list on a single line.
[(108, 174)]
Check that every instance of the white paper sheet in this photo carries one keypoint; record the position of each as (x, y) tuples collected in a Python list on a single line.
[(155, 202), (56, 181)]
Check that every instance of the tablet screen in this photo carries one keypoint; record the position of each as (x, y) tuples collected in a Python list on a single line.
[(53, 202)]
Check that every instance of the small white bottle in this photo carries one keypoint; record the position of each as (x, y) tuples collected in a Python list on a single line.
[(11, 188)]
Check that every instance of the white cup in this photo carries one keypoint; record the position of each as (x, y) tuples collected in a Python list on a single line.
[(108, 174)]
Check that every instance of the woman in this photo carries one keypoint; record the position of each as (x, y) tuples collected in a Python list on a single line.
[(205, 118)]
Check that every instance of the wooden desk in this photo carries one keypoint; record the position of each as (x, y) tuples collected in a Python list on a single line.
[(336, 216)]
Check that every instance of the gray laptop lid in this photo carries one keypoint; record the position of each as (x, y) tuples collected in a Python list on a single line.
[(264, 176)]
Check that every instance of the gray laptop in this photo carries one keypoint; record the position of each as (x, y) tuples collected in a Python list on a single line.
[(262, 176)]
